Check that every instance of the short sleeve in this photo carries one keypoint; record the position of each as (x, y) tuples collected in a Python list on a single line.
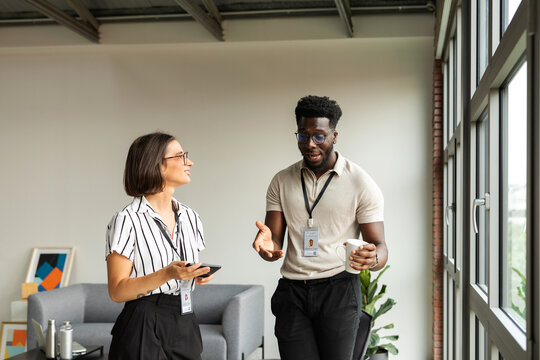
[(370, 207), (120, 236), (273, 201)]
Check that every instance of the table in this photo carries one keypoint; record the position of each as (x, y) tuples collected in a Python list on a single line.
[(92, 353)]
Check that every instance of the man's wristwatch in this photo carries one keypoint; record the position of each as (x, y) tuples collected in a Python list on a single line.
[(376, 260)]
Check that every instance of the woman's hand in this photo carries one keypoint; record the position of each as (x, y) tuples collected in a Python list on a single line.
[(203, 280), (179, 270)]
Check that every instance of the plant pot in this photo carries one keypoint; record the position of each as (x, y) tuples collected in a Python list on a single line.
[(378, 356)]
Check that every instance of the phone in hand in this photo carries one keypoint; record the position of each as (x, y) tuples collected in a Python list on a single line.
[(213, 269)]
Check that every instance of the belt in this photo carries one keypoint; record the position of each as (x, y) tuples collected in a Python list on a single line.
[(161, 299), (340, 276)]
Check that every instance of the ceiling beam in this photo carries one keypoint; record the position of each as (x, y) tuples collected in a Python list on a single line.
[(204, 19), (344, 9), (83, 12), (61, 17), (212, 9)]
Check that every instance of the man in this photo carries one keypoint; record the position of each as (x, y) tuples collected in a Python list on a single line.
[(329, 199)]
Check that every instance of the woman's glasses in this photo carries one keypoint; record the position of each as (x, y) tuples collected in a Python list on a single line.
[(183, 155)]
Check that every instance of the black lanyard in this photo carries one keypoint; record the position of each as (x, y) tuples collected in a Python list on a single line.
[(164, 232), (310, 210)]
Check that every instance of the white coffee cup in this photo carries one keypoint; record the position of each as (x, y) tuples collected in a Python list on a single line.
[(344, 252)]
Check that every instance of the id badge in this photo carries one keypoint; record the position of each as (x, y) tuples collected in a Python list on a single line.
[(311, 241), (185, 295)]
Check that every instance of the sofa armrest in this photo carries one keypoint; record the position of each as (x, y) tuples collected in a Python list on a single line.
[(243, 322), (53, 304)]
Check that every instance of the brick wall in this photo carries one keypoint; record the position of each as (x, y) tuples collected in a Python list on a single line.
[(437, 210)]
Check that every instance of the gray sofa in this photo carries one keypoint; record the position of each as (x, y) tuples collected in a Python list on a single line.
[(231, 316)]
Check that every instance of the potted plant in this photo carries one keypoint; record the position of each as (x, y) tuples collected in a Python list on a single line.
[(377, 350)]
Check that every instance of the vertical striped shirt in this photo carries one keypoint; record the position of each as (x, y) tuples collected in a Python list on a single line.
[(135, 234)]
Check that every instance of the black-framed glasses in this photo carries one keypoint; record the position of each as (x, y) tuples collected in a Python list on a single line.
[(304, 138), (183, 155)]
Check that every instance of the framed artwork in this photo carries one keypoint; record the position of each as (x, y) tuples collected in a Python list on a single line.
[(50, 267), (13, 339)]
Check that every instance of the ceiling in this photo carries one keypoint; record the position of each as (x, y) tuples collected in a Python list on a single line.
[(85, 16)]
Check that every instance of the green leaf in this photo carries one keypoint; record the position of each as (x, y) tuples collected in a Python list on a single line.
[(390, 348), (389, 326), (370, 308), (523, 279), (379, 295), (380, 273), (374, 340), (389, 303), (365, 279), (391, 337)]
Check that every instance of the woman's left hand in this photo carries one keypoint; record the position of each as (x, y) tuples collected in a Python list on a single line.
[(203, 280)]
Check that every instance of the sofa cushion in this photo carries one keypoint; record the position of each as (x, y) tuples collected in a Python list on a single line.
[(100, 333), (209, 302), (98, 305), (214, 345)]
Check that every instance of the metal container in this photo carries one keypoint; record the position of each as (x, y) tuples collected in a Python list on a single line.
[(50, 342), (66, 340)]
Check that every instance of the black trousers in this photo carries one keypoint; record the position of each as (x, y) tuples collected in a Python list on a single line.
[(317, 319), (153, 327)]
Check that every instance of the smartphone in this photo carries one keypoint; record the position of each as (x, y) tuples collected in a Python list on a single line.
[(213, 268)]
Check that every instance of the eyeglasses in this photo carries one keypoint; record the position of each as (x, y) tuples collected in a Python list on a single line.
[(304, 138), (183, 155)]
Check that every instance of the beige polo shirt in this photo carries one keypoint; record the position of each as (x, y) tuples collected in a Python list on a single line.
[(352, 198)]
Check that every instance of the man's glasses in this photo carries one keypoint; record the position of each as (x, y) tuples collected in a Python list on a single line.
[(183, 155), (304, 138)]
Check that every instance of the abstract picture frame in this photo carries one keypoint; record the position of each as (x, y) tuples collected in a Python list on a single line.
[(50, 267), (12, 338)]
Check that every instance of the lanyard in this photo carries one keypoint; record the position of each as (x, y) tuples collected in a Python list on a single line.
[(167, 236), (306, 201)]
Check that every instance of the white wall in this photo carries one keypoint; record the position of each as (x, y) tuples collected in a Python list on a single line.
[(69, 111)]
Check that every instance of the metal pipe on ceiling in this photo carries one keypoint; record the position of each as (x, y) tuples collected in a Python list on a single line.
[(357, 10)]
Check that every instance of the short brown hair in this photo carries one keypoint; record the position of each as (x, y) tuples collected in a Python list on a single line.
[(142, 174)]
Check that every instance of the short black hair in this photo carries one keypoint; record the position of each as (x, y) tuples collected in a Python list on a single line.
[(142, 174), (318, 106)]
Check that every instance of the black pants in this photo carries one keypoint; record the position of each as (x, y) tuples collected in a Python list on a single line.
[(152, 327), (317, 319)]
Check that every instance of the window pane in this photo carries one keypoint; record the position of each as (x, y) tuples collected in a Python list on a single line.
[(481, 348), (450, 215), (514, 209), (452, 89), (509, 9), (451, 324), (482, 187), (454, 84), (482, 31)]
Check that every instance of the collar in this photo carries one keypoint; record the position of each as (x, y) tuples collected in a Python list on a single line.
[(141, 205), (339, 166)]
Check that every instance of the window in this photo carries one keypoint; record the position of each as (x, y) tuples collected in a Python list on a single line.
[(514, 195), (481, 339), (488, 186), (509, 8), (482, 38), (481, 218)]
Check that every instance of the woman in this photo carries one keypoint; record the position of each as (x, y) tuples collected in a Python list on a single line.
[(151, 245)]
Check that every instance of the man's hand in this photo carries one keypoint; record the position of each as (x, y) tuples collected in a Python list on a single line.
[(364, 258), (264, 245)]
